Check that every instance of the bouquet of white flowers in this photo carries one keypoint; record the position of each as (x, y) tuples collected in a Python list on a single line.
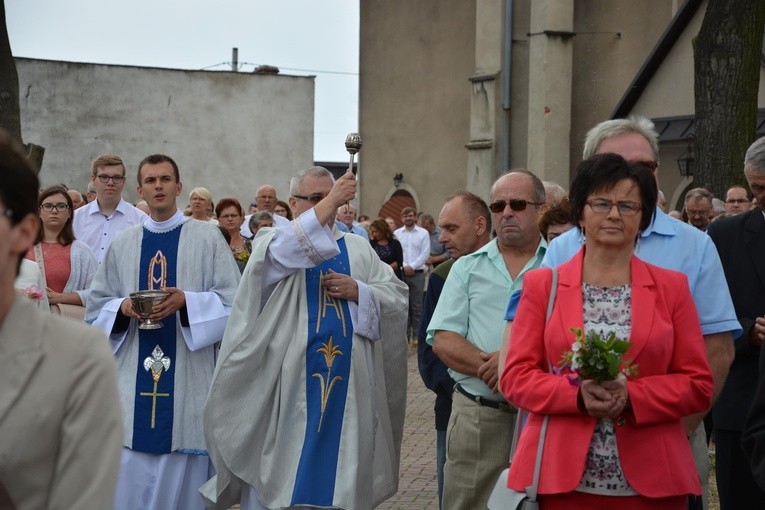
[(595, 358)]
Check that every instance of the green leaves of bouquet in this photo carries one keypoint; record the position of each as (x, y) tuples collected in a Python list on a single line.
[(593, 357)]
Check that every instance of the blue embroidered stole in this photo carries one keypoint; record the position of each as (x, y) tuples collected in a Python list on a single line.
[(155, 375), (328, 368)]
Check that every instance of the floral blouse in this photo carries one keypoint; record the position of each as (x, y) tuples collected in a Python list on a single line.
[(606, 309)]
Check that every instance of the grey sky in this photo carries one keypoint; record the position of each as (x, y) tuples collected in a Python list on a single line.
[(299, 36)]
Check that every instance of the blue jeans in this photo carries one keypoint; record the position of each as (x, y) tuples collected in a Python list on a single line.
[(440, 461)]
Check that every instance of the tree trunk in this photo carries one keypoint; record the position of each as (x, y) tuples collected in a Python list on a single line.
[(10, 115), (727, 74)]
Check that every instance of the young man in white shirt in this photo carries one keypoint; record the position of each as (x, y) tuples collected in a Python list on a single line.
[(98, 222)]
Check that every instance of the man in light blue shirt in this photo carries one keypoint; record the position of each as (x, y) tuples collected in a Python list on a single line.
[(346, 214), (670, 244), (466, 333)]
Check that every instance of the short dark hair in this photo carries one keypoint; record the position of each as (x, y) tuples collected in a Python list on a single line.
[(66, 236), (156, 159), (408, 210), (19, 183), (557, 214), (474, 204), (225, 203), (602, 172), (382, 226), (286, 208)]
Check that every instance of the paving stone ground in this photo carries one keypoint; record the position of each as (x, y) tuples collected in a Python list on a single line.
[(418, 487)]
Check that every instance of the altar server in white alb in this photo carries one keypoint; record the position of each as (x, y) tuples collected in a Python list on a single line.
[(164, 374), (307, 404)]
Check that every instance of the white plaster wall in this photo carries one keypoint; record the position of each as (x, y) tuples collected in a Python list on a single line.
[(229, 132)]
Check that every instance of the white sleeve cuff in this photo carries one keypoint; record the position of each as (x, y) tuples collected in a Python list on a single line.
[(207, 319), (365, 315)]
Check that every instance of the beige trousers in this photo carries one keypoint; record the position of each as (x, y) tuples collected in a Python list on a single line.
[(477, 450)]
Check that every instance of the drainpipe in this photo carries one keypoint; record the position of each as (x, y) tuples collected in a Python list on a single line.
[(506, 86)]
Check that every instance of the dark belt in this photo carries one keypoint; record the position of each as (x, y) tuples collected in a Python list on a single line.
[(485, 402), (419, 270)]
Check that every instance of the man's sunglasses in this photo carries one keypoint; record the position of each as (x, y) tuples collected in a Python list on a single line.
[(314, 199), (516, 204), (650, 165)]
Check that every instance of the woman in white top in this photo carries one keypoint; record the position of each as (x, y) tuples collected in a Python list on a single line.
[(200, 200)]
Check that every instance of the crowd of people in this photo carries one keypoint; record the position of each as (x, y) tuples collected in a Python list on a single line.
[(271, 371)]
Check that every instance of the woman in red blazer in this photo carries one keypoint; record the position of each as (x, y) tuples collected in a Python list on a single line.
[(620, 442)]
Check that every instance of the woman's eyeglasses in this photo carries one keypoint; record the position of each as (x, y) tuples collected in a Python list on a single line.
[(625, 207), (516, 204), (60, 207)]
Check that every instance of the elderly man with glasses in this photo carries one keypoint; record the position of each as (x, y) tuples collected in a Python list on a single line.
[(99, 222), (265, 200), (698, 208), (306, 408)]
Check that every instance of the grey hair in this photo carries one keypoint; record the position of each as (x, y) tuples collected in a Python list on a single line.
[(314, 171), (427, 217), (754, 161), (698, 194), (718, 206), (258, 217), (347, 206), (537, 187), (264, 186), (610, 128), (555, 189)]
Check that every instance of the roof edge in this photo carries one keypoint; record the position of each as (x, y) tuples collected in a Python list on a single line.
[(659, 52)]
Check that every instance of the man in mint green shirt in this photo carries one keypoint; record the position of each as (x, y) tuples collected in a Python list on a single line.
[(466, 333)]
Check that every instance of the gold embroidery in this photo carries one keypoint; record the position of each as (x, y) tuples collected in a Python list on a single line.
[(155, 364), (160, 260), (330, 351), (327, 301)]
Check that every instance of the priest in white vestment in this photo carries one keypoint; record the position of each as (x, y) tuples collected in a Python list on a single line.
[(164, 374), (307, 403)]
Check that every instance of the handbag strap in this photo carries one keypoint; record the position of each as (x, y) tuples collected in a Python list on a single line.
[(521, 414), (531, 491)]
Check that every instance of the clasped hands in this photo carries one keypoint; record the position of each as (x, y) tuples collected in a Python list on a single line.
[(605, 400), (488, 372), (174, 302)]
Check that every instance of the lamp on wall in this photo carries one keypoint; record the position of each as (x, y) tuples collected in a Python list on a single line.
[(397, 179), (686, 161)]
